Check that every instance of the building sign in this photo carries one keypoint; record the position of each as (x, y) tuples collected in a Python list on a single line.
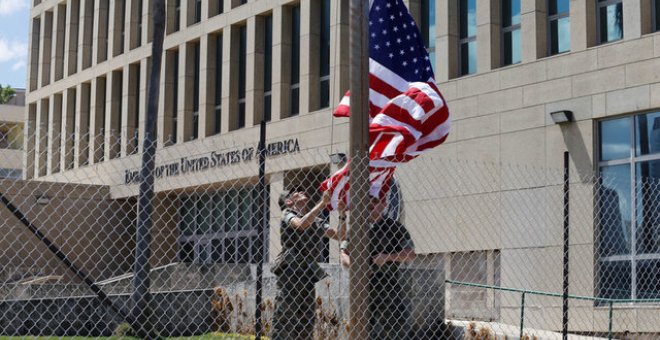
[(214, 160)]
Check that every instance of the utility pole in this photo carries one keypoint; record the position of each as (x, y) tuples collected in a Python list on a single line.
[(141, 297), (359, 169)]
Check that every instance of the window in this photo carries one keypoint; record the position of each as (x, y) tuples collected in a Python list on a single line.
[(136, 118), (177, 15), (139, 23), (242, 74), (610, 20), (628, 237), (11, 173), (175, 98), (428, 28), (656, 15), (219, 227), (468, 36), (195, 94), (218, 85), (268, 67), (510, 32), (198, 11), (559, 26), (122, 25), (294, 108), (324, 72)]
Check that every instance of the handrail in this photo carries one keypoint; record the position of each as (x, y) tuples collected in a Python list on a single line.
[(523, 292)]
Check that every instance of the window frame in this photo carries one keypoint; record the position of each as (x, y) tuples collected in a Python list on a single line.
[(632, 160), (599, 5), (556, 17)]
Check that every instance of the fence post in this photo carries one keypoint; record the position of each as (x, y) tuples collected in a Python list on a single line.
[(566, 245), (261, 226), (522, 314), (609, 327), (359, 169), (141, 296)]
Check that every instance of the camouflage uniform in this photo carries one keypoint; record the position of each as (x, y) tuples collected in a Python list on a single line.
[(387, 305), (297, 272)]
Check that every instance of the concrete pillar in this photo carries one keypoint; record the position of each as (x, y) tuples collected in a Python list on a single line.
[(448, 65), (145, 68), (489, 28), (276, 184), (127, 112), (184, 111), (46, 47), (632, 19), (82, 125), (583, 24), (229, 78), (41, 151), (170, 15), (310, 44), (73, 18), (147, 20), (167, 109), (101, 30), (113, 119), (30, 141), (68, 129), (534, 29), (281, 58), (97, 120), (256, 69), (35, 47), (54, 134), (207, 84), (250, 74), (339, 51), (57, 61), (86, 34), (132, 27)]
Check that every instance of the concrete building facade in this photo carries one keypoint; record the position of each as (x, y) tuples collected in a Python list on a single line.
[(502, 65)]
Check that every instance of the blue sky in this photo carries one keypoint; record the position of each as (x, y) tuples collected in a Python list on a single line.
[(14, 21)]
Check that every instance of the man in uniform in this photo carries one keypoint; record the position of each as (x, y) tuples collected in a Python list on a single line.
[(297, 267), (390, 245)]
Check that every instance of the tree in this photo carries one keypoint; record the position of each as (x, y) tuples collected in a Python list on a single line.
[(6, 94)]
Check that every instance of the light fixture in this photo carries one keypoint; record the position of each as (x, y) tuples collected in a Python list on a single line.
[(43, 199), (562, 117), (338, 158)]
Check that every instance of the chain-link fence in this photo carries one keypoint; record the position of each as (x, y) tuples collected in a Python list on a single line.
[(459, 249)]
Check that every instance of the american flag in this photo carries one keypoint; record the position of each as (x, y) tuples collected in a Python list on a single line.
[(407, 113)]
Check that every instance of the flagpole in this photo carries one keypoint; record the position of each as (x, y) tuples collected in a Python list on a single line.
[(359, 168)]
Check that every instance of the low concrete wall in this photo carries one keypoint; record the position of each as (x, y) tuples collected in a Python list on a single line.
[(176, 314)]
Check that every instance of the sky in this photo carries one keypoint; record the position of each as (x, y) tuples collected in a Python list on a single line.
[(14, 21)]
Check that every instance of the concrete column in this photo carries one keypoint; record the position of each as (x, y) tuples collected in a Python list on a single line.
[(339, 45), (170, 15), (35, 47), (113, 119), (147, 20), (534, 29), (281, 58), (54, 134), (132, 27), (118, 21), (276, 184), (41, 151), (256, 69), (206, 84), (73, 18), (97, 120), (184, 111), (184, 19), (250, 73), (229, 78), (68, 129), (166, 110), (310, 44), (30, 141), (583, 24), (447, 29), (82, 125), (145, 68), (127, 112), (86, 34), (632, 19), (46, 47), (489, 28), (100, 50), (57, 60)]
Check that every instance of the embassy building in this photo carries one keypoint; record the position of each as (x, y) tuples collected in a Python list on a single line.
[(503, 67)]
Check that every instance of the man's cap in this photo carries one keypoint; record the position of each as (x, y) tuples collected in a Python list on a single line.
[(286, 194)]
